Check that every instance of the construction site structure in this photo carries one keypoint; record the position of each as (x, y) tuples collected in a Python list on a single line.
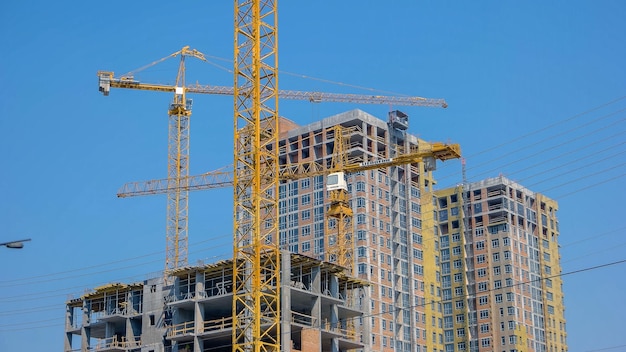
[(412, 247), (322, 309)]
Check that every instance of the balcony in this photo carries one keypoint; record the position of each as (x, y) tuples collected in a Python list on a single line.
[(220, 324), (116, 343), (181, 331)]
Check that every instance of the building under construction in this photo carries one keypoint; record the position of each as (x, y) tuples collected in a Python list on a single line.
[(470, 268), (321, 310)]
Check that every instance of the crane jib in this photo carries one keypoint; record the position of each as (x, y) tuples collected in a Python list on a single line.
[(376, 162)]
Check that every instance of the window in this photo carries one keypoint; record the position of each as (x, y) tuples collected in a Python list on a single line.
[(499, 298), (507, 255), (456, 237), (482, 272), (306, 214), (362, 268), (458, 304), (497, 284), (306, 246), (495, 243), (456, 250), (482, 286), (484, 328), (480, 258), (480, 245), (306, 199), (496, 270), (458, 264), (484, 314), (482, 300), (548, 270), (510, 310), (496, 257), (458, 277)]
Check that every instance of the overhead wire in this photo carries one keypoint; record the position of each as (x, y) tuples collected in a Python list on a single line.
[(555, 124), (511, 141), (99, 266), (17, 297), (540, 152), (560, 134), (463, 296), (605, 348)]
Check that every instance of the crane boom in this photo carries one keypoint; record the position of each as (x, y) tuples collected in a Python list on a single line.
[(106, 81), (224, 178), (339, 245)]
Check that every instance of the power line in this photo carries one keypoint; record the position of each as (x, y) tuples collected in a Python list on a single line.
[(534, 132), (541, 152), (606, 348), (464, 296)]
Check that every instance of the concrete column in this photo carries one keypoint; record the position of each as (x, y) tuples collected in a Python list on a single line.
[(334, 311), (311, 338), (69, 318), (85, 331), (285, 301), (198, 344)]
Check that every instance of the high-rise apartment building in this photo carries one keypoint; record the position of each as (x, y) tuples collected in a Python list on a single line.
[(500, 267), (444, 276), (392, 225)]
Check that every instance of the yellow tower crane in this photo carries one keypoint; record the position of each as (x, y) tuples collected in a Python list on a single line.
[(177, 153)]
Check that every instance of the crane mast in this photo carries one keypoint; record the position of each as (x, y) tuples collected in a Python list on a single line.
[(178, 172), (256, 264)]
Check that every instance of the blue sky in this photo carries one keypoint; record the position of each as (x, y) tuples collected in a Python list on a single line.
[(536, 92)]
